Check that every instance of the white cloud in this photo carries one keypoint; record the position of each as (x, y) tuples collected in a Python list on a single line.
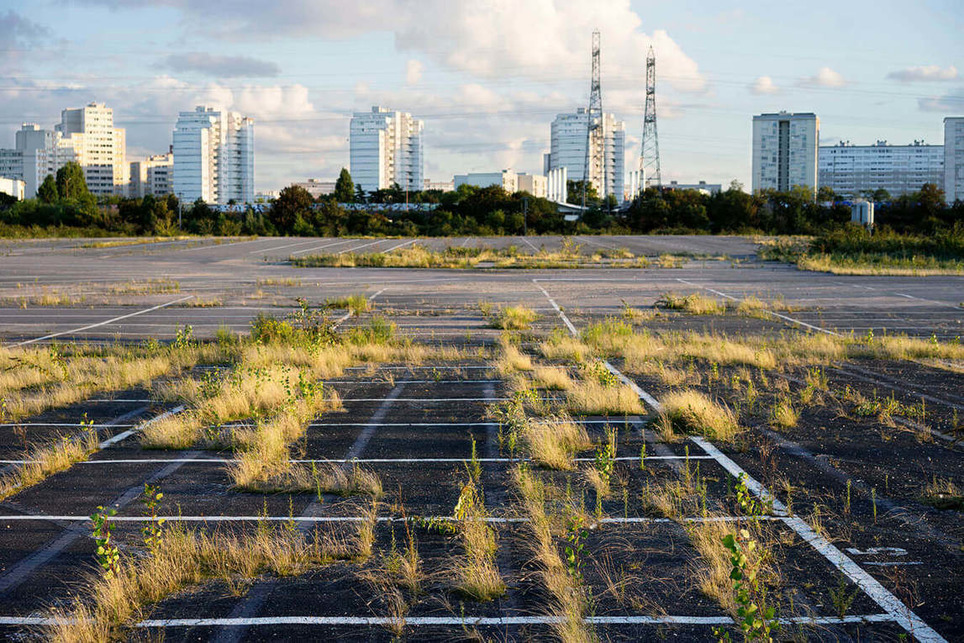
[(764, 85), (924, 73), (536, 39), (826, 77), (413, 71)]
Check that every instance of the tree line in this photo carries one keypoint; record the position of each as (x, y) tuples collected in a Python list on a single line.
[(65, 206)]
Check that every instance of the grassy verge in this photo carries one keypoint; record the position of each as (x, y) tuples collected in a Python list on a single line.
[(571, 255), (856, 252)]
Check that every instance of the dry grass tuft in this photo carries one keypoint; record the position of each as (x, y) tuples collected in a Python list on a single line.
[(186, 559), (477, 576), (46, 460), (514, 318), (591, 397), (783, 415), (553, 378), (511, 360), (752, 306), (690, 411), (563, 346), (695, 304)]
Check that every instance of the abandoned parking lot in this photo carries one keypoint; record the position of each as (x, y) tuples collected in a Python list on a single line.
[(848, 390)]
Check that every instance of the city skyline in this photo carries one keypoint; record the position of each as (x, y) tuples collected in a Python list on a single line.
[(301, 69)]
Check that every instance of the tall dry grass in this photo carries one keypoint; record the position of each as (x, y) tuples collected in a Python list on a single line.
[(691, 411), (186, 559)]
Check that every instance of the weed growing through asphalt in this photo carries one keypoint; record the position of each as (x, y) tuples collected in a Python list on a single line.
[(755, 617), (576, 534), (747, 501), (108, 556), (842, 597), (152, 531)]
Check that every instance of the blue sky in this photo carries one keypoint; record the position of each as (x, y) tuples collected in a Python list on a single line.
[(486, 76)]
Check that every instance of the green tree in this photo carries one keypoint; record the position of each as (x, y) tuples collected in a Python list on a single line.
[(880, 195), (575, 192), (826, 193), (292, 201), (360, 195), (71, 183), (47, 192), (344, 187)]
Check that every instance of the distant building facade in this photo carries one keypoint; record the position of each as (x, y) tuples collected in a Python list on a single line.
[(859, 170), (568, 141), (386, 148), (535, 184), (506, 179), (154, 175), (785, 151), (954, 158), (442, 186), (214, 156), (317, 187)]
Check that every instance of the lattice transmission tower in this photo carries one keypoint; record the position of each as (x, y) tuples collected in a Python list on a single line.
[(595, 140), (649, 150)]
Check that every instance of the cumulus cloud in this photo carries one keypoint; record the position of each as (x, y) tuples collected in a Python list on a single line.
[(220, 66), (413, 71), (764, 85), (924, 73), (826, 77), (538, 39)]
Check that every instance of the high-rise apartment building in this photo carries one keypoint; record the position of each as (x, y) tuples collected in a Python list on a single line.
[(954, 158), (785, 151), (100, 148), (86, 135), (860, 170), (386, 148), (214, 156), (154, 175), (569, 137)]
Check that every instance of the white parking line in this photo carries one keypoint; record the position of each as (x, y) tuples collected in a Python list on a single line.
[(362, 460), (103, 323), (289, 245), (456, 621), (496, 520), (401, 245), (324, 245)]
